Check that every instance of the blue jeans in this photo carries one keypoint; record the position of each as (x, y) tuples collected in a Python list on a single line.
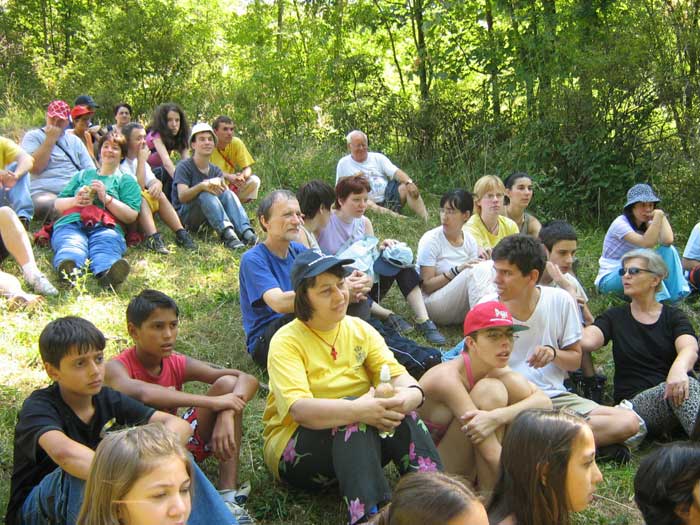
[(18, 197), (56, 500), (673, 288), (220, 211), (103, 246)]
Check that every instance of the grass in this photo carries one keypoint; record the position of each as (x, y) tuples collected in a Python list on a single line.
[(205, 285)]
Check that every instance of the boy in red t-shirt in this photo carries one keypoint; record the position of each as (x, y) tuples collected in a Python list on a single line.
[(153, 373)]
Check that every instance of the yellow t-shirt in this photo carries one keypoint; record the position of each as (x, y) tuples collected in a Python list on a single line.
[(484, 238), (9, 151), (234, 157), (300, 366)]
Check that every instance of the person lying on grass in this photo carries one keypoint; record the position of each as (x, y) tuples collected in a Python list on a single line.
[(470, 401), (152, 372)]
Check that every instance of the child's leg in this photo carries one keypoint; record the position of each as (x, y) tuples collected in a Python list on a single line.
[(146, 222), (56, 499), (489, 394), (168, 214), (207, 420)]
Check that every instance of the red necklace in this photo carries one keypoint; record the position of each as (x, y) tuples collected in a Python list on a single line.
[(334, 354)]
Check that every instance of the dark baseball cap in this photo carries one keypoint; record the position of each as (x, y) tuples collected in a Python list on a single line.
[(311, 263)]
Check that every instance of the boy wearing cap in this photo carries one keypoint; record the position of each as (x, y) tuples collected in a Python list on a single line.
[(57, 157), (80, 116), (470, 400), (200, 193)]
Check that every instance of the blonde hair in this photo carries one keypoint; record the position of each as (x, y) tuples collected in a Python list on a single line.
[(484, 185), (120, 460)]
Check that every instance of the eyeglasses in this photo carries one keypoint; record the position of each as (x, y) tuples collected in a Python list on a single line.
[(449, 211), (632, 270)]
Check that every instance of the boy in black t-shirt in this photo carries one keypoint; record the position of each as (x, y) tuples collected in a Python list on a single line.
[(59, 426)]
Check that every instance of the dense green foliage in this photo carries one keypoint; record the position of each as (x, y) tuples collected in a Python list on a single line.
[(587, 95)]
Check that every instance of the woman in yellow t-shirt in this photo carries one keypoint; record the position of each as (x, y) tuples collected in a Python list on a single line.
[(486, 224), (322, 420)]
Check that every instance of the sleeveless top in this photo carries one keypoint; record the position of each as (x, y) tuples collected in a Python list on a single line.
[(468, 370), (338, 232)]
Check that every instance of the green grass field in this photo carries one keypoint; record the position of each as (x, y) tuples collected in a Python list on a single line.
[(205, 285)]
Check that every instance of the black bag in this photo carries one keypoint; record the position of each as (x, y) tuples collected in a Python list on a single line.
[(415, 358)]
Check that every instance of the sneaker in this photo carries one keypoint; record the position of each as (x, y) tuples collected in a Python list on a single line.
[(67, 271), (398, 324), (241, 515), (239, 495), (41, 284), (616, 453), (431, 333), (230, 240), (133, 238), (155, 243), (116, 274), (249, 238), (184, 239), (593, 388)]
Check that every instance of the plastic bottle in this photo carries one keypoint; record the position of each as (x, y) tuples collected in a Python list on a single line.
[(384, 390)]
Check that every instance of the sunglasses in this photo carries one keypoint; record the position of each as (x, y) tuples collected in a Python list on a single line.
[(632, 270)]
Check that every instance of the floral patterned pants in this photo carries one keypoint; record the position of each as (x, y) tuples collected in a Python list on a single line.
[(355, 455)]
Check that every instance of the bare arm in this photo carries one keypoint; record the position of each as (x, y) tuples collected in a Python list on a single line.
[(689, 264), (164, 156), (568, 358), (281, 302), (69, 455), (245, 385), (592, 339), (24, 163), (189, 193), (42, 154), (318, 414), (158, 396), (652, 236), (173, 423), (677, 388), (522, 395)]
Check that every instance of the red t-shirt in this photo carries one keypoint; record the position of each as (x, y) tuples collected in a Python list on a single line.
[(172, 373)]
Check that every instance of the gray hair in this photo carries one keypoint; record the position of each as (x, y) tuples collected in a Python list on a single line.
[(354, 132), (655, 263), (270, 199)]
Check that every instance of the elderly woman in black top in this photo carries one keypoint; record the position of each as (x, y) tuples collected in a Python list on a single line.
[(654, 347)]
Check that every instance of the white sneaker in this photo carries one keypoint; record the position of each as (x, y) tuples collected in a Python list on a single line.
[(241, 515), (239, 495), (41, 284)]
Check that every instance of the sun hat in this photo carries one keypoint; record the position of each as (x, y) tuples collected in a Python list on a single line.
[(79, 111), (640, 193), (492, 314), (58, 109), (201, 127), (393, 259), (310, 264)]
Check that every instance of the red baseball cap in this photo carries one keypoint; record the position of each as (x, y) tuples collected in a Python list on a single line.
[(79, 111), (489, 315), (58, 109)]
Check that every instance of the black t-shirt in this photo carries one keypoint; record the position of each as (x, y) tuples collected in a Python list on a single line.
[(45, 410), (643, 353)]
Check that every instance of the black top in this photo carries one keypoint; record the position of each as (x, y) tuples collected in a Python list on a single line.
[(643, 353), (45, 410)]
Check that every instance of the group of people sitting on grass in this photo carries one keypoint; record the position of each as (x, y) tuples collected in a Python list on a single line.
[(496, 410)]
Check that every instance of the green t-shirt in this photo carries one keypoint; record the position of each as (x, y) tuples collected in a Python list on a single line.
[(119, 185)]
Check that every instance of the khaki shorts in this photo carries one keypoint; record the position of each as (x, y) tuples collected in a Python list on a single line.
[(152, 203), (578, 404)]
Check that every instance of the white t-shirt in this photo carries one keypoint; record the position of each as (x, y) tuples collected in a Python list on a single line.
[(377, 168), (129, 166), (555, 322), (692, 247), (435, 250)]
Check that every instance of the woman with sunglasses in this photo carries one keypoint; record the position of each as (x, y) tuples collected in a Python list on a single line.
[(654, 348), (641, 225)]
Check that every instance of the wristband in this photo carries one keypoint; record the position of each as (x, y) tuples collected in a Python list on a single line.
[(422, 394), (553, 350), (455, 270)]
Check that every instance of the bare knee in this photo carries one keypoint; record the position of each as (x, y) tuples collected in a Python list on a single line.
[(489, 394), (223, 385)]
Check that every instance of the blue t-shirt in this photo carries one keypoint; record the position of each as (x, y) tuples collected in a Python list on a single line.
[(260, 271)]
